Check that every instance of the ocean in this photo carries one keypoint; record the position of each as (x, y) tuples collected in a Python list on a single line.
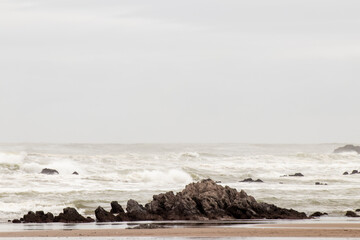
[(120, 172)]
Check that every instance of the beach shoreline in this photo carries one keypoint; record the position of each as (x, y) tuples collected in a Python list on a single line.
[(347, 230)]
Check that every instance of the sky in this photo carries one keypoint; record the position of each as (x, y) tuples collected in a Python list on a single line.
[(189, 71)]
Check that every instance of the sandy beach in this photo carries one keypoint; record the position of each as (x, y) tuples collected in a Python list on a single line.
[(346, 230)]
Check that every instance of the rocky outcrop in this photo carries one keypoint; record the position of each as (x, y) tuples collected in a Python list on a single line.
[(75, 173), (49, 171), (200, 201), (69, 215), (251, 180), (208, 200), (348, 148), (203, 200), (104, 216), (296, 175), (351, 214), (317, 214), (116, 207), (38, 217), (320, 183)]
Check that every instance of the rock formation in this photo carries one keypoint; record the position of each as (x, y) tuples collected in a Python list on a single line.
[(317, 214), (201, 201), (351, 214), (348, 148), (251, 180), (49, 171), (69, 215), (296, 175)]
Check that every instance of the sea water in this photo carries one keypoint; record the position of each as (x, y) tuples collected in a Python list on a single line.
[(120, 172)]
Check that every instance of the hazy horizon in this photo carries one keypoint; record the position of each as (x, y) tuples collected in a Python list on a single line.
[(261, 72)]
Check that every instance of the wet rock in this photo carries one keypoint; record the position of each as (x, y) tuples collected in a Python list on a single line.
[(70, 215), (351, 214), (319, 183), (345, 173), (348, 148), (354, 172), (136, 212), (208, 200), (49, 171), (318, 214), (75, 173), (251, 180), (104, 216), (296, 175), (116, 207), (38, 217), (16, 221)]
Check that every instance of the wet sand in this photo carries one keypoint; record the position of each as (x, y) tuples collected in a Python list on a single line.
[(344, 230)]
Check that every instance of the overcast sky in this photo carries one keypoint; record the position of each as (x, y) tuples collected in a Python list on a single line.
[(112, 71)]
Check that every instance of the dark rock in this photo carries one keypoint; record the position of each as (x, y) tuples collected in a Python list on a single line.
[(354, 172), (357, 210), (217, 181), (75, 173), (104, 216), (348, 148), (70, 215), (251, 180), (351, 214), (318, 214), (345, 173), (136, 212), (38, 217), (116, 207), (208, 200), (49, 171), (16, 221), (296, 175), (319, 183)]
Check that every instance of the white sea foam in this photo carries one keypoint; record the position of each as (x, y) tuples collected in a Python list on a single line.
[(121, 172)]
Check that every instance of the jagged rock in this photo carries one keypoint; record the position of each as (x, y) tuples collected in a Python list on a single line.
[(136, 212), (104, 216), (70, 215), (75, 173), (16, 221), (354, 172), (208, 200), (348, 148), (49, 171), (319, 183), (296, 175), (317, 214), (351, 214), (116, 207), (345, 173), (251, 180), (38, 217)]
